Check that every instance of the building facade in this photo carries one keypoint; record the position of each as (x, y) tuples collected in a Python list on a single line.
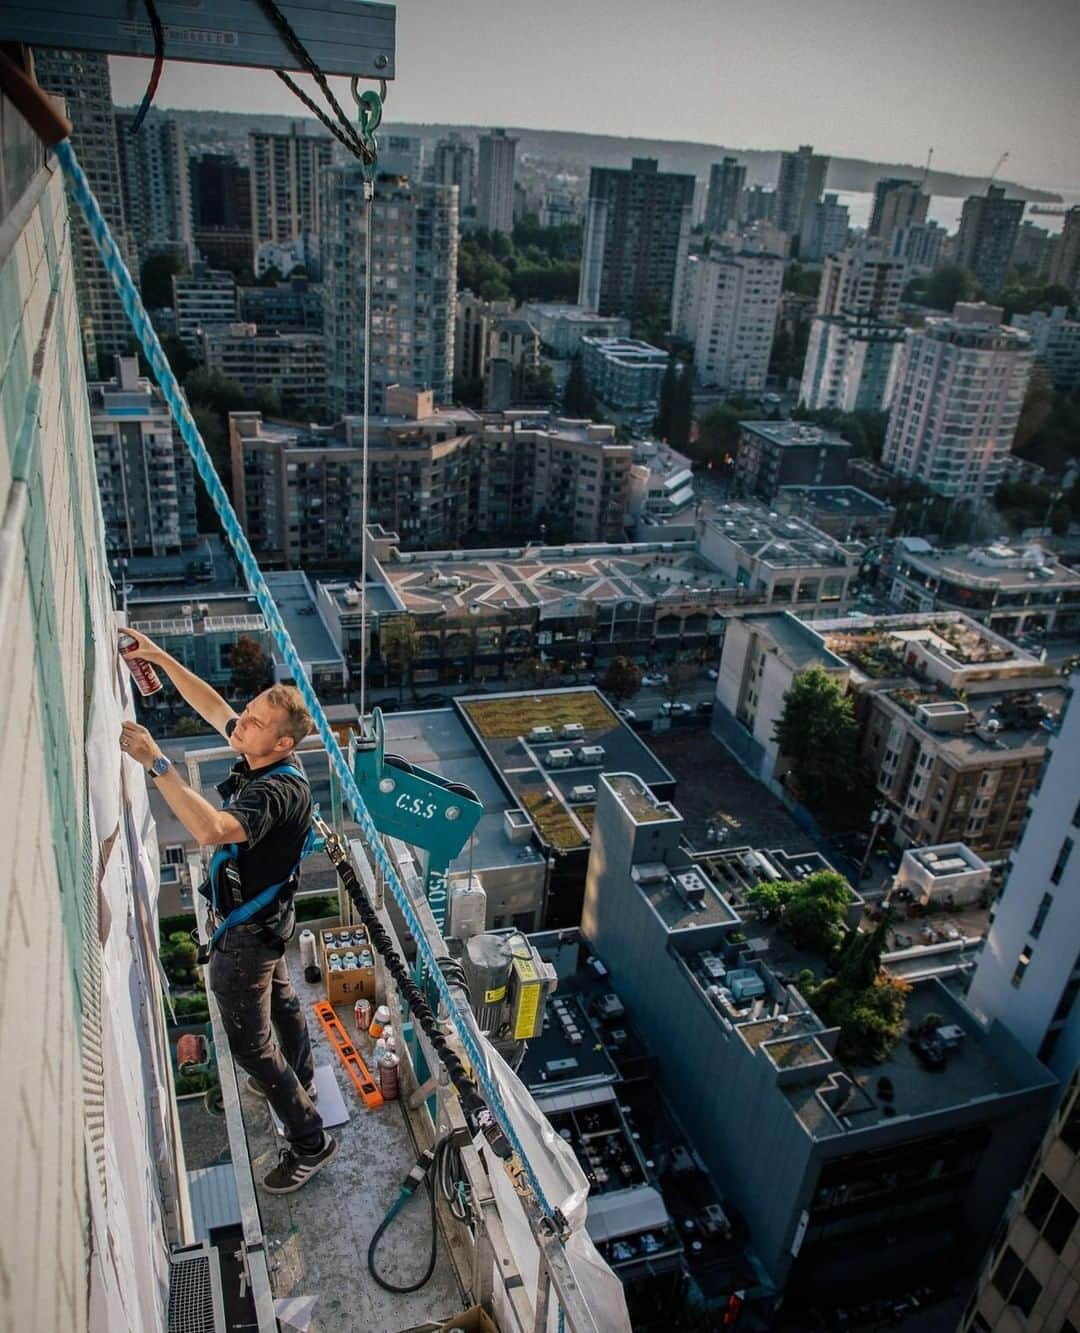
[(495, 181), (960, 385), (81, 78), (286, 194), (1055, 342), (727, 180), (727, 309), (413, 288), (562, 326), (1028, 975), (825, 230), (292, 306), (1065, 265), (144, 471), (798, 187), (850, 364), (473, 324), (864, 281), (292, 363), (988, 228), (624, 373), (788, 453), (155, 184), (454, 163), (897, 203), (921, 245), (221, 210), (637, 231), (202, 298)]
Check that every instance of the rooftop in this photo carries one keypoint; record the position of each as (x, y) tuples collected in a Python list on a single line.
[(997, 566), (208, 567), (795, 434), (551, 774), (913, 644), (778, 540), (844, 500), (295, 600)]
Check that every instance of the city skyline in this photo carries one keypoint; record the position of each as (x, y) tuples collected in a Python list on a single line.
[(795, 74)]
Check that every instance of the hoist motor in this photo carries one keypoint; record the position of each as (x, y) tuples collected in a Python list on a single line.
[(508, 985)]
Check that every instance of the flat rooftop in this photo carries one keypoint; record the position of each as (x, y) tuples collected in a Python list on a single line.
[(800, 643), (779, 540), (295, 600), (209, 567), (501, 725), (841, 500), (1017, 724), (678, 911), (792, 434), (879, 646), (995, 566), (438, 739)]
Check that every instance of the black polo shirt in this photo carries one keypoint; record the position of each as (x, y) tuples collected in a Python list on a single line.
[(274, 810)]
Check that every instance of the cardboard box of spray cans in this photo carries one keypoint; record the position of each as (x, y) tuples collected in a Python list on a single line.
[(348, 964)]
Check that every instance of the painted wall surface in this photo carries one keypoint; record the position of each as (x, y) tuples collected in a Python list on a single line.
[(90, 1155)]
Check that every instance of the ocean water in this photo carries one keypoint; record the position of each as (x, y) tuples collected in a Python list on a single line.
[(946, 209)]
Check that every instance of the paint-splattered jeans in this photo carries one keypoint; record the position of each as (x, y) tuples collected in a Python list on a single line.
[(252, 987)]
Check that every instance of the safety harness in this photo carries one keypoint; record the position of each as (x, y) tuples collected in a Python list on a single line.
[(224, 888)]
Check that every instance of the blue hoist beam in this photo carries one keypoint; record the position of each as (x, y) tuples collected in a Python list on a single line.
[(417, 806)]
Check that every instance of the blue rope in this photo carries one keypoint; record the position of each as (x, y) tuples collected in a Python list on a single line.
[(181, 413)]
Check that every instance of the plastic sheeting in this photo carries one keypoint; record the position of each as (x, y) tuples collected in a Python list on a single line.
[(567, 1189)]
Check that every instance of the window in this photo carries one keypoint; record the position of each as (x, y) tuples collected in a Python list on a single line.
[(1026, 1292), (1060, 1226), (1007, 1271), (1040, 1201), (1041, 915), (174, 855), (1061, 862), (1022, 965)]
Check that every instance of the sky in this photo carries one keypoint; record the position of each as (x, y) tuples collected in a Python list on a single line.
[(878, 79)]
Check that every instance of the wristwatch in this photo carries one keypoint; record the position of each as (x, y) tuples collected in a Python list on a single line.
[(159, 767)]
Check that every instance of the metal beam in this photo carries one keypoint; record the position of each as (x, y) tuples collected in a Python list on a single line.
[(349, 37)]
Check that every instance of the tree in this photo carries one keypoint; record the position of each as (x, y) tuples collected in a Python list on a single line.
[(532, 673), (817, 734), (943, 288), (666, 404), (579, 401), (816, 911), (679, 675), (155, 285), (622, 680), (217, 444), (251, 669), (399, 643), (682, 407), (770, 897)]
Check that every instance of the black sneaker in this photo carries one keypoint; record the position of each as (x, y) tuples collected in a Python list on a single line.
[(253, 1085), (295, 1168)]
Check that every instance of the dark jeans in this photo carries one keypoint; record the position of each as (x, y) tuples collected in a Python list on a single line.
[(252, 987)]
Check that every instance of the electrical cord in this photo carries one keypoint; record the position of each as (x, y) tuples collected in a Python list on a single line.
[(440, 1166), (155, 73)]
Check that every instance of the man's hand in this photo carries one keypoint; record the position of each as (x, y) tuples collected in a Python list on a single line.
[(148, 650), (137, 742)]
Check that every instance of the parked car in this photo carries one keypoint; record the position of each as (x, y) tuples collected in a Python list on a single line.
[(712, 673), (660, 679), (675, 709), (705, 707), (432, 700), (627, 714)]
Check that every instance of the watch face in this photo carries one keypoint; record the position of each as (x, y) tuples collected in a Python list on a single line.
[(159, 766)]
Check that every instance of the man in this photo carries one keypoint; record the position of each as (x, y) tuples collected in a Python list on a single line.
[(267, 815)]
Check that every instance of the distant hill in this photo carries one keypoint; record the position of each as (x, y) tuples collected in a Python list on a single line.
[(575, 152)]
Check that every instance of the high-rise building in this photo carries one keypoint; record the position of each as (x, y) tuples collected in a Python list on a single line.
[(758, 204), (920, 245), (727, 310), (413, 287), (1055, 340), (960, 385), (401, 155), (454, 163), (798, 188), (862, 280), (221, 210), (984, 244), (1029, 1280), (495, 181), (144, 470), (293, 364), (825, 230), (286, 197), (155, 183), (1028, 974), (82, 79), (1032, 249), (473, 324), (896, 204), (850, 364), (202, 297), (1065, 265), (637, 230), (726, 182)]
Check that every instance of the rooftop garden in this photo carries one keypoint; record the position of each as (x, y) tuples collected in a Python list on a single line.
[(505, 718), (553, 821), (875, 654), (968, 644), (638, 799)]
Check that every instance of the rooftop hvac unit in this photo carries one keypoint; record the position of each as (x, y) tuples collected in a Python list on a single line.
[(745, 984), (611, 1006), (195, 1300), (352, 597), (583, 793), (559, 758), (590, 754), (572, 731), (542, 734), (692, 887), (714, 967), (649, 872)]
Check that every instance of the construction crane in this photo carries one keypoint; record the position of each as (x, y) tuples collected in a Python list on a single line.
[(999, 164), (926, 169)]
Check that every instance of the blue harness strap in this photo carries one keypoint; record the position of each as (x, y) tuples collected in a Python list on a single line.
[(230, 850)]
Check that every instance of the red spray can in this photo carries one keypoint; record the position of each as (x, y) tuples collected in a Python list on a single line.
[(146, 679)]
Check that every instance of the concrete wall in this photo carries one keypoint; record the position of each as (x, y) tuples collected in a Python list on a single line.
[(89, 1152)]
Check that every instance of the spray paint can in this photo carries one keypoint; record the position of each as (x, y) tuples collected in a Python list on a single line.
[(362, 1015), (388, 1076), (307, 948), (391, 1041), (379, 1021), (147, 681), (378, 1055)]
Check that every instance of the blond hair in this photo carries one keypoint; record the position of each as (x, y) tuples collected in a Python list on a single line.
[(297, 721)]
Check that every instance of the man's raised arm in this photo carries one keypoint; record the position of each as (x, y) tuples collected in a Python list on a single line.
[(205, 700)]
